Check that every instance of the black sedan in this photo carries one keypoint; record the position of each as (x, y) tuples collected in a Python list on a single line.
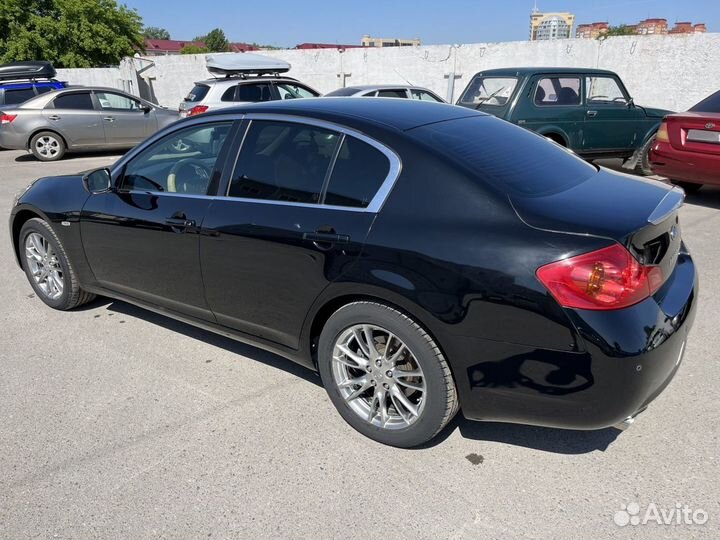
[(422, 257)]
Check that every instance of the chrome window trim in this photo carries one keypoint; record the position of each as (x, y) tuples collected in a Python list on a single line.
[(376, 203)]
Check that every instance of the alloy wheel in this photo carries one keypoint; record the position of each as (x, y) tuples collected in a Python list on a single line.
[(378, 376), (47, 146), (44, 266)]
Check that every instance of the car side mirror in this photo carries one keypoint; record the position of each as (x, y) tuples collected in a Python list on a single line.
[(146, 109), (631, 103), (98, 181)]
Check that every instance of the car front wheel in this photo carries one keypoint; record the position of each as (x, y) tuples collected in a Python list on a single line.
[(385, 374), (48, 268)]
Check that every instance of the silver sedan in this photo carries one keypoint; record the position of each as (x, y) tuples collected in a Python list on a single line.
[(80, 119)]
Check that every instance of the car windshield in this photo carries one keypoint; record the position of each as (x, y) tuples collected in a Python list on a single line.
[(489, 91), (198, 92), (508, 157), (710, 104)]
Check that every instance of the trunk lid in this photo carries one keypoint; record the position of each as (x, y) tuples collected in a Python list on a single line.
[(695, 132), (640, 214)]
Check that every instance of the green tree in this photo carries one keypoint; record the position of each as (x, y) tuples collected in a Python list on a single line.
[(193, 49), (69, 33), (620, 30), (155, 32), (216, 41)]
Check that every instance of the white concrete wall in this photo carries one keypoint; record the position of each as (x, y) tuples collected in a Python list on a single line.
[(671, 72)]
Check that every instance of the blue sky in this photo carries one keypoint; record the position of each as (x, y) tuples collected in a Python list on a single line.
[(289, 22)]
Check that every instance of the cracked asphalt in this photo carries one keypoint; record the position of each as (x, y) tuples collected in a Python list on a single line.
[(119, 423)]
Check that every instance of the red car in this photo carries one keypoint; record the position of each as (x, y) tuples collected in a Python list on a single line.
[(687, 146)]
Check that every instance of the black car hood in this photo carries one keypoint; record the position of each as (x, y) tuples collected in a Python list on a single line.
[(608, 204)]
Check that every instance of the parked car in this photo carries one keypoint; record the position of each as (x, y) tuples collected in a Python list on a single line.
[(247, 78), (20, 81), (80, 119), (387, 90), (420, 256), (586, 110), (687, 146)]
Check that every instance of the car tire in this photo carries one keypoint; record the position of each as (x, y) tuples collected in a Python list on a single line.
[(643, 165), (47, 146), (688, 187), (380, 412), (48, 267)]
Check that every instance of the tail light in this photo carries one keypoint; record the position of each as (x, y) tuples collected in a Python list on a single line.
[(609, 278), (7, 118), (662, 134), (197, 109)]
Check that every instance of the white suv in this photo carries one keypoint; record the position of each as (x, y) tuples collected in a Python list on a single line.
[(225, 92)]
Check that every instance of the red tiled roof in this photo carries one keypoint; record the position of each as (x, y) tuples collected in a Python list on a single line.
[(171, 45)]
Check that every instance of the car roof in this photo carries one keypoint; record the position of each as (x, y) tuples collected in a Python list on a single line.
[(362, 87), (251, 79), (524, 71), (355, 111)]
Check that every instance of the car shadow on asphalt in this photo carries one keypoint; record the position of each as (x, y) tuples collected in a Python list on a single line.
[(554, 440), (23, 158), (708, 196), (559, 441), (211, 338)]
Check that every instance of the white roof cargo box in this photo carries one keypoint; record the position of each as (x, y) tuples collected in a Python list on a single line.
[(244, 64)]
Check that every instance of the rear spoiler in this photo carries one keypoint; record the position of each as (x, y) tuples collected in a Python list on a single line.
[(669, 204)]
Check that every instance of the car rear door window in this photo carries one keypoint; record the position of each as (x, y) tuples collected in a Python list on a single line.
[(554, 91), (359, 171), (253, 92), (399, 93), (78, 101), (18, 95), (283, 161)]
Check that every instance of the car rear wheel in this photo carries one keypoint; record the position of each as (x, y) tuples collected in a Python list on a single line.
[(47, 146), (643, 164), (385, 375), (48, 268), (689, 187)]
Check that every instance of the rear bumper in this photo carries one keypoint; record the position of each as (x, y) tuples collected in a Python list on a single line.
[(11, 139), (630, 357), (675, 164)]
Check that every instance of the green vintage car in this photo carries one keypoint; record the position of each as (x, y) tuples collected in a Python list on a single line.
[(587, 110)]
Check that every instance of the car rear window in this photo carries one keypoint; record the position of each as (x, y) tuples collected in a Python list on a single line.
[(19, 95), (198, 93), (511, 158), (709, 104), (343, 92)]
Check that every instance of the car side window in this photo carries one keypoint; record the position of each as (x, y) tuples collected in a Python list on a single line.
[(359, 171), (554, 91), (293, 91), (422, 95), (399, 93), (253, 92), (110, 100), (19, 95), (283, 161), (181, 162), (77, 100), (604, 91)]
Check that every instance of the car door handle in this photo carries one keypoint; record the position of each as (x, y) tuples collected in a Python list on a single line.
[(326, 237), (592, 114), (109, 119), (180, 223), (53, 117)]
